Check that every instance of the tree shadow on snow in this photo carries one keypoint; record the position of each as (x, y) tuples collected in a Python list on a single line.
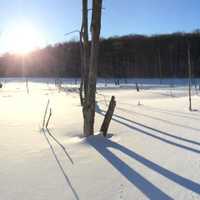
[(61, 145), (146, 130), (59, 162), (103, 146), (175, 112), (166, 112), (172, 113), (165, 121), (158, 131)]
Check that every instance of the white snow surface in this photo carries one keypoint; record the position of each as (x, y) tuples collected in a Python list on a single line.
[(151, 152)]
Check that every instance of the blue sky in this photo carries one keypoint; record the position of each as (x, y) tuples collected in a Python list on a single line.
[(53, 18)]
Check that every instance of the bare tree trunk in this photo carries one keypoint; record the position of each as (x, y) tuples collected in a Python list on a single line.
[(189, 77), (84, 48), (108, 116), (81, 91), (160, 67), (90, 73), (82, 69)]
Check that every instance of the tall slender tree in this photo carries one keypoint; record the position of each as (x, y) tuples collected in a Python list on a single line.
[(189, 75), (84, 46), (90, 63)]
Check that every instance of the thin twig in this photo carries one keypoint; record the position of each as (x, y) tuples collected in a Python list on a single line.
[(90, 9), (55, 139), (75, 31), (104, 98), (45, 113), (47, 123)]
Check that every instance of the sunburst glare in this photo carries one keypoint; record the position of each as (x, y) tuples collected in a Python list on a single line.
[(23, 38)]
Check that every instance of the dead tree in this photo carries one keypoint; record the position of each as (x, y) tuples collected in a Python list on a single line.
[(108, 116), (189, 76), (159, 66), (89, 63), (84, 47)]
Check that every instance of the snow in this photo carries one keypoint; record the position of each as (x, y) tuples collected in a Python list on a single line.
[(151, 152)]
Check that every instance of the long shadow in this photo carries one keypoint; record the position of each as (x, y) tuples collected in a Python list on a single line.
[(163, 120), (175, 111), (148, 133), (166, 121), (145, 186), (60, 166), (164, 112), (171, 113), (158, 131), (102, 145), (61, 145)]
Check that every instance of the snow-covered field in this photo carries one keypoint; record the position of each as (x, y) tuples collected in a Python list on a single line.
[(152, 150)]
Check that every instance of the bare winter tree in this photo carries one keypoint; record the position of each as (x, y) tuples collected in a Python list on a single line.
[(84, 46), (89, 58), (159, 66), (189, 76)]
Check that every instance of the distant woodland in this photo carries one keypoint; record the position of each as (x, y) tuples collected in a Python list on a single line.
[(158, 56)]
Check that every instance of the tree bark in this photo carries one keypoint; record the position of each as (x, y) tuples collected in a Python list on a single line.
[(108, 116), (91, 71), (84, 48)]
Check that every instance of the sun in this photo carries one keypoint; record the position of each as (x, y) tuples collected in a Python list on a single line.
[(23, 38)]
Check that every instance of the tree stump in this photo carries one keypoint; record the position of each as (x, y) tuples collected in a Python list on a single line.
[(108, 116)]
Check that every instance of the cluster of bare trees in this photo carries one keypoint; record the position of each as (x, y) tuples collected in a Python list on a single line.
[(128, 56)]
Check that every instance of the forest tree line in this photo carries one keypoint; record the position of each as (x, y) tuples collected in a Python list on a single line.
[(157, 56)]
